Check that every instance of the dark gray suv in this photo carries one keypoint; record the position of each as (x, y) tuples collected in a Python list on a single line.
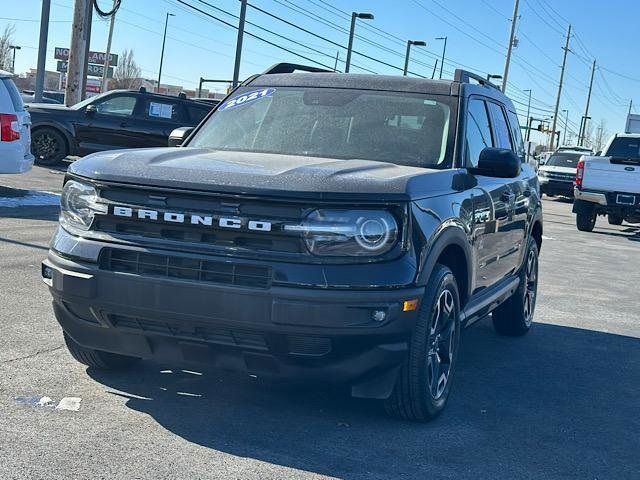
[(319, 226)]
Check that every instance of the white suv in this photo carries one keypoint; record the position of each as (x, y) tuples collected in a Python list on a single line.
[(15, 133)]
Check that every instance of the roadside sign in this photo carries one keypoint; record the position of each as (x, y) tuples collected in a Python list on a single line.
[(92, 69), (61, 53)]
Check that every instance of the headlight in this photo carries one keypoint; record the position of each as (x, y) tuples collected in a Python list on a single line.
[(79, 204), (348, 232), (542, 173)]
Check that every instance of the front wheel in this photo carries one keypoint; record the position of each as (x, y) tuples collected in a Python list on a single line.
[(514, 316), (424, 381), (48, 147)]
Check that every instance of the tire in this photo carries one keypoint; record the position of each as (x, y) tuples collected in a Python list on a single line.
[(514, 316), (586, 220), (97, 358), (424, 381), (48, 146), (614, 219)]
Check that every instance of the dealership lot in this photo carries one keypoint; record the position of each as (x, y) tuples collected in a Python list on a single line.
[(553, 404)]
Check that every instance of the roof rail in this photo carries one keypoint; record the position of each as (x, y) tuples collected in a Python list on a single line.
[(463, 76), (292, 67)]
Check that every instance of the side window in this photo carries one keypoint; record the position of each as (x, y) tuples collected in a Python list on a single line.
[(162, 110), (516, 134), (119, 105), (500, 127), (478, 132), (197, 113)]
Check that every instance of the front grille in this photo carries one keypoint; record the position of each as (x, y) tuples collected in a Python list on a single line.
[(141, 231), (566, 177), (185, 268), (207, 333)]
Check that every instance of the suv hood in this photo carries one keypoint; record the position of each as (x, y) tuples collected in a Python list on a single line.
[(259, 173)]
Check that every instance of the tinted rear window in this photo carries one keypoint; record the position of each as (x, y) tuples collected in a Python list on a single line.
[(569, 160), (624, 147), (14, 94)]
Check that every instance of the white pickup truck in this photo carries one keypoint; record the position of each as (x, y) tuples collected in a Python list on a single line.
[(609, 184)]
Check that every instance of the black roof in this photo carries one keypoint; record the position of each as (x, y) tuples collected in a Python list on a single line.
[(354, 80)]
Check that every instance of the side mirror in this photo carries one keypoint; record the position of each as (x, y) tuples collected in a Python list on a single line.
[(497, 162), (179, 135), (91, 110)]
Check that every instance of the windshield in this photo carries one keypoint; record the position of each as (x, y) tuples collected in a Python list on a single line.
[(569, 160), (624, 147), (87, 101), (402, 128)]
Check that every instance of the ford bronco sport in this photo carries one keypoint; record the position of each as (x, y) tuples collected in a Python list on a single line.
[(318, 226)]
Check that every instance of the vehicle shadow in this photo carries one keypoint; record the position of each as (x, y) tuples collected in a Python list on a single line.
[(553, 404), (32, 204), (630, 233)]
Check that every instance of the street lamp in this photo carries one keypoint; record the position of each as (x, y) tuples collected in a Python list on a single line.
[(354, 16), (13, 63), (417, 43), (164, 39), (444, 49), (490, 77), (528, 112)]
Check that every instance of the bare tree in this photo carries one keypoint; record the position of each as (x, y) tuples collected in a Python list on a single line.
[(601, 135), (127, 73), (6, 40)]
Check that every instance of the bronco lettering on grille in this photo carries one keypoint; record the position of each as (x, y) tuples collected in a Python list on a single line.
[(206, 220)]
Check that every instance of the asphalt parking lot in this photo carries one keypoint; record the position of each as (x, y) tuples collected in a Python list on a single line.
[(562, 402)]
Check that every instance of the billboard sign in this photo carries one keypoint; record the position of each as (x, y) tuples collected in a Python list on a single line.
[(61, 53), (92, 70)]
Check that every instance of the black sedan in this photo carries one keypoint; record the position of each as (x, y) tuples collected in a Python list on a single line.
[(115, 119)]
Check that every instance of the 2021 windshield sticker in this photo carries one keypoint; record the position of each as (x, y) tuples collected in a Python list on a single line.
[(246, 98)]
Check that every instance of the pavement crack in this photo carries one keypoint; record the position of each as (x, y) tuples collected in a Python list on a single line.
[(31, 355)]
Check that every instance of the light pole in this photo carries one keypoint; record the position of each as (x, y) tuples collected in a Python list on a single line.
[(354, 16), (417, 43), (528, 112), (444, 50), (164, 39), (491, 76), (566, 125), (13, 62)]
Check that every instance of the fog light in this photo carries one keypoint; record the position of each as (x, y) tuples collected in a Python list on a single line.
[(47, 275), (379, 316)]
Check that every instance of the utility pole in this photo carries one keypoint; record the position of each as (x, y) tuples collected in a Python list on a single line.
[(105, 79), (528, 104), (236, 67), (510, 48), (13, 62), (87, 47), (630, 105), (444, 51), (42, 49), (586, 110), (564, 64), (335, 65), (77, 53), (566, 126)]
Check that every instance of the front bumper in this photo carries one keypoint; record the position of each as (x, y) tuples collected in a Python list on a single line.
[(310, 334), (553, 187)]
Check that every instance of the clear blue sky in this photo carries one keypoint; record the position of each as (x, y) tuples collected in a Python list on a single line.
[(477, 32)]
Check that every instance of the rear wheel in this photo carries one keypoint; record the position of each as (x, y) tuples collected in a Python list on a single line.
[(48, 146), (586, 219), (614, 219), (424, 382), (514, 317), (97, 358)]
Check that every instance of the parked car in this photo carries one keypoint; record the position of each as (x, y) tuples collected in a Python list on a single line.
[(559, 172), (319, 226), (212, 101), (55, 95), (609, 184), (15, 136), (115, 119)]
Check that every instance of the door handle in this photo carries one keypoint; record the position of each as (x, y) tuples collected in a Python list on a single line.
[(124, 124)]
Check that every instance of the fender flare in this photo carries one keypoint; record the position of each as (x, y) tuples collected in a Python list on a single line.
[(447, 235)]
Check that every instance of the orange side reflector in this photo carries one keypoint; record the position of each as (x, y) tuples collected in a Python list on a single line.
[(410, 305)]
